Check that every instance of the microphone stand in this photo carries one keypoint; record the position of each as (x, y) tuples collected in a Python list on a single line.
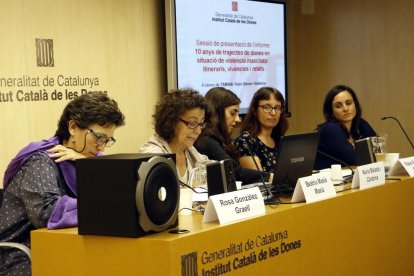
[(406, 135), (270, 198)]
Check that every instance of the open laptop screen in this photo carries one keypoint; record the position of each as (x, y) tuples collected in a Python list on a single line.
[(295, 159), (364, 152)]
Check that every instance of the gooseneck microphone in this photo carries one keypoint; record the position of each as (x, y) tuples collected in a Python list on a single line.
[(270, 198), (406, 135)]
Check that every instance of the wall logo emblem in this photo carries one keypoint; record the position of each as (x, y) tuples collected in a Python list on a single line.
[(44, 53), (189, 264), (234, 6)]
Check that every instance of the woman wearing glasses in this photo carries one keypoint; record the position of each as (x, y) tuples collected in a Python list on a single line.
[(40, 182), (264, 124), (215, 140), (178, 119)]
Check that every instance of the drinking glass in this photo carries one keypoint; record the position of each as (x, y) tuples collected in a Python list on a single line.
[(198, 175), (379, 147)]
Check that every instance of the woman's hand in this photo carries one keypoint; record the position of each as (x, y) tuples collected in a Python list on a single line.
[(62, 153)]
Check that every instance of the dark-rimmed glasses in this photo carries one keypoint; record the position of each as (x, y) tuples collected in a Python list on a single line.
[(268, 108), (102, 140), (193, 124)]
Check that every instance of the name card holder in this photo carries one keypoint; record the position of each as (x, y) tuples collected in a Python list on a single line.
[(233, 206), (314, 188), (404, 166), (369, 175)]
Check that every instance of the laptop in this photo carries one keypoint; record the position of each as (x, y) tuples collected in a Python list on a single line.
[(295, 159), (364, 153)]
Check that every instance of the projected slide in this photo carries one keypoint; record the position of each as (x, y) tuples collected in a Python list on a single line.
[(236, 44)]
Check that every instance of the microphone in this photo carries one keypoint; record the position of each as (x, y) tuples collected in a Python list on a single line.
[(270, 198), (340, 162), (406, 135)]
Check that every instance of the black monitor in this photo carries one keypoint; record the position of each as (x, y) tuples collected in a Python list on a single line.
[(220, 177), (364, 152)]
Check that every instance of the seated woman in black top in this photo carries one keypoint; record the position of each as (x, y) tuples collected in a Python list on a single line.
[(342, 127), (215, 139), (264, 124)]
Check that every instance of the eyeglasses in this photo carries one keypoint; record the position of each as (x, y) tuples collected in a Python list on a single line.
[(268, 108), (102, 140), (193, 124)]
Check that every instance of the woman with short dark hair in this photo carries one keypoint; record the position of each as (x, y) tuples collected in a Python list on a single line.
[(40, 182), (178, 119)]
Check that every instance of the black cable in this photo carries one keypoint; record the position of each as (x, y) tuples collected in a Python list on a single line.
[(337, 160), (188, 186), (270, 199), (84, 144)]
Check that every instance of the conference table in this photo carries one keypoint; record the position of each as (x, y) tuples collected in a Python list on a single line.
[(358, 232)]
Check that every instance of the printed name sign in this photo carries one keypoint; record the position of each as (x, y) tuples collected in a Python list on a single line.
[(369, 175), (233, 206), (404, 166), (314, 188)]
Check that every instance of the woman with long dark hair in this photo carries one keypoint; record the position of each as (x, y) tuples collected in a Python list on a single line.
[(342, 127), (264, 124), (215, 140)]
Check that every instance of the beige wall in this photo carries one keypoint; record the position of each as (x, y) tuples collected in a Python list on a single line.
[(366, 44), (120, 42)]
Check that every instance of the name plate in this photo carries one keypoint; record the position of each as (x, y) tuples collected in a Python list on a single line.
[(314, 188), (233, 206), (403, 166), (369, 175)]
